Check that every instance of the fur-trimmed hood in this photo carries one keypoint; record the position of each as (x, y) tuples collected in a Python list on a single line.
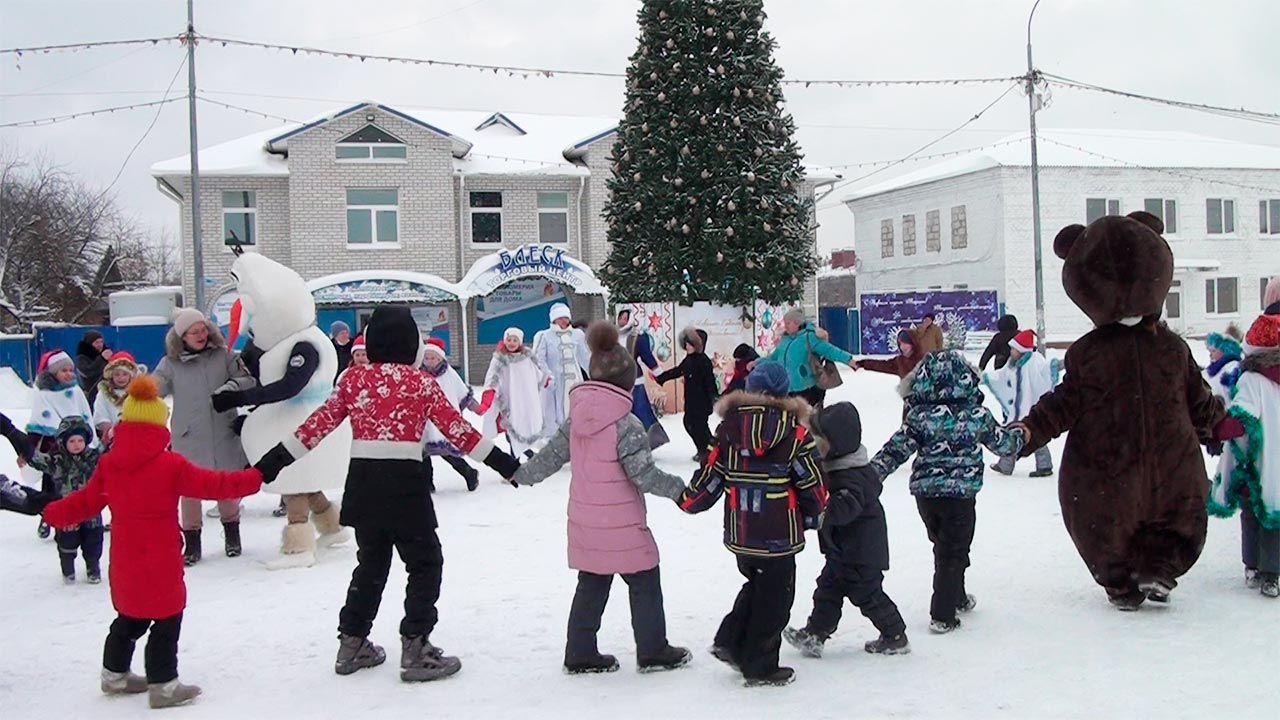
[(742, 399), (174, 350), (1264, 362), (758, 423), (690, 336)]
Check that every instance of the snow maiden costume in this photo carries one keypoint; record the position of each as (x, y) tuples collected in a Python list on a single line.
[(1018, 385), (563, 352), (436, 364), (389, 403), (1222, 372), (517, 381), (1249, 474), (295, 373), (640, 346)]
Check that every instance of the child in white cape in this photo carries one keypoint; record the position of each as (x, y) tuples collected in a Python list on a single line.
[(514, 387)]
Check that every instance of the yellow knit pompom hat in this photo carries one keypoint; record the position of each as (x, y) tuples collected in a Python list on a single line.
[(143, 405)]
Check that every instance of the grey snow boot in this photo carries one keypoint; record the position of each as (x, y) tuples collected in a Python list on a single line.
[(125, 683), (885, 645), (420, 661), (807, 643), (356, 653), (171, 694)]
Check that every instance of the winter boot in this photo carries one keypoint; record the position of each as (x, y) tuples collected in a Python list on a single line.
[(942, 627), (95, 574), (297, 548), (970, 602), (809, 644), (331, 532), (884, 645), (1252, 579), (191, 553), (472, 476), (777, 678), (231, 532), (43, 530), (1157, 591), (670, 658), (171, 694), (69, 579), (420, 661), (1041, 473), (125, 683), (357, 653), (593, 665), (1126, 600), (1269, 584), (723, 655), (1000, 470), (280, 510)]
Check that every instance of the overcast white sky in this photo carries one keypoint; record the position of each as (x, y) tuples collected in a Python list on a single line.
[(1222, 52)]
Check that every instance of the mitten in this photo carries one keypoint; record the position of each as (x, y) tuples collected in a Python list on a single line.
[(226, 400), (500, 462), (486, 401), (812, 522), (21, 499), (1229, 429), (1214, 448), (277, 458)]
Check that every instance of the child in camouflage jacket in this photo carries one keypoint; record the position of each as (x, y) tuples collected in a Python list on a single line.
[(70, 465)]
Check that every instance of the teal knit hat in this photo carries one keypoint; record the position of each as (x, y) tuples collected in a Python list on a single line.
[(1227, 343)]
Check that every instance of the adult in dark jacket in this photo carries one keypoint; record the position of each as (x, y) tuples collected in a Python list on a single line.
[(340, 335), (92, 355), (700, 391), (854, 537), (998, 348), (1132, 482)]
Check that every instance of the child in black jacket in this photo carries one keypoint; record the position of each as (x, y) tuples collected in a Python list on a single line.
[(700, 390), (854, 537)]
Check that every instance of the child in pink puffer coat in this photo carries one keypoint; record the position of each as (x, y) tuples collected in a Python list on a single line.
[(608, 451)]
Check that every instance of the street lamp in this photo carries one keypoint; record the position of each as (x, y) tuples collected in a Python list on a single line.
[(1033, 101)]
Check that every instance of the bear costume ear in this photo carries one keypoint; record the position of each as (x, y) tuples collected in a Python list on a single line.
[(1066, 238), (1149, 220)]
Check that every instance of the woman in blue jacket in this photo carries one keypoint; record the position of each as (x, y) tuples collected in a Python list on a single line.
[(799, 338)]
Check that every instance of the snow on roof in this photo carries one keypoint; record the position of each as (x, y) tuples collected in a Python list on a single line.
[(409, 276), (243, 156), (1195, 264), (1092, 148), (149, 292)]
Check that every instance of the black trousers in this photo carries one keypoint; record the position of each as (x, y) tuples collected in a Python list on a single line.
[(460, 466), (162, 646), (85, 539), (648, 619), (814, 396), (752, 631), (950, 523), (1259, 547), (424, 563), (864, 587), (699, 431)]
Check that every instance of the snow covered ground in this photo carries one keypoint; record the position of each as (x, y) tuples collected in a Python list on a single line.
[(1043, 642)]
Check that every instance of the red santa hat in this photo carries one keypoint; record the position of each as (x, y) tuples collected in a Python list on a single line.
[(358, 344), (1264, 334), (52, 360), (1024, 341), (435, 346)]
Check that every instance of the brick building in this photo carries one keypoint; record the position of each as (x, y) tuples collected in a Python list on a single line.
[(966, 223), (478, 220)]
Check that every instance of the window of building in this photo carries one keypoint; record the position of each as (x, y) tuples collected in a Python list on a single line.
[(1166, 210), (933, 231), (373, 217), (886, 238), (1269, 217), (486, 217), (240, 217), (1221, 216), (1221, 296), (1173, 301), (371, 144), (908, 234), (959, 228), (553, 217), (1095, 208)]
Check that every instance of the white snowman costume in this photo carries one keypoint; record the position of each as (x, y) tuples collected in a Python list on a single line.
[(295, 373)]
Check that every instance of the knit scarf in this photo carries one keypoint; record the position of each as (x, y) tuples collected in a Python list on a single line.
[(1215, 367)]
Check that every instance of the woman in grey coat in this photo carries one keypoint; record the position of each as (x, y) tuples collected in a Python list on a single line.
[(197, 363)]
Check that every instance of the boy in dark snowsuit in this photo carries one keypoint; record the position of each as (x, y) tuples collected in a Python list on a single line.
[(700, 391), (854, 537), (744, 358), (70, 466), (946, 427), (767, 465)]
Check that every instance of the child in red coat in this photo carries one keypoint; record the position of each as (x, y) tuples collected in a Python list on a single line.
[(141, 481)]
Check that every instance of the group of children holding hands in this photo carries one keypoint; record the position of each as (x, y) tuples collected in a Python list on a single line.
[(780, 467)]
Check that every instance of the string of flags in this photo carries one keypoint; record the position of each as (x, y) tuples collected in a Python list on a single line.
[(36, 122), (1174, 173)]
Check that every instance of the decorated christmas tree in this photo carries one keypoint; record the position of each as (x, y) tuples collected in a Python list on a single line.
[(705, 196)]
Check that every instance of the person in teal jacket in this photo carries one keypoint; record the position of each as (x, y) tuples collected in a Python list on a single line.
[(800, 336)]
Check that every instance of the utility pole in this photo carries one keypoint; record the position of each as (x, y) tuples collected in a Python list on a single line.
[(1033, 102), (197, 257)]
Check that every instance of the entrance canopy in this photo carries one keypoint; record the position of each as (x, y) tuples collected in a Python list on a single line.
[(373, 287), (535, 260)]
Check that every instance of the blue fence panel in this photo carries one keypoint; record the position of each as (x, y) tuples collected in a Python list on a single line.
[(842, 324), (15, 352), (144, 342)]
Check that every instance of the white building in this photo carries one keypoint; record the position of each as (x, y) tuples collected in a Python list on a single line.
[(479, 220), (966, 223)]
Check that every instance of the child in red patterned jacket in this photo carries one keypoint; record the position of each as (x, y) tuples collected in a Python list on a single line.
[(386, 500)]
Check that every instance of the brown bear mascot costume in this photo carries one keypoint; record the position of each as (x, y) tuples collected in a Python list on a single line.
[(1133, 483)]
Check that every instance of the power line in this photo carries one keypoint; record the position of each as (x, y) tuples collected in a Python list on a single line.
[(1166, 171), (922, 148), (95, 45), (917, 158), (154, 119), (1237, 113), (37, 122)]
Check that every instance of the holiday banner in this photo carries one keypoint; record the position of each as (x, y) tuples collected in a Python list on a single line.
[(524, 303), (959, 312)]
